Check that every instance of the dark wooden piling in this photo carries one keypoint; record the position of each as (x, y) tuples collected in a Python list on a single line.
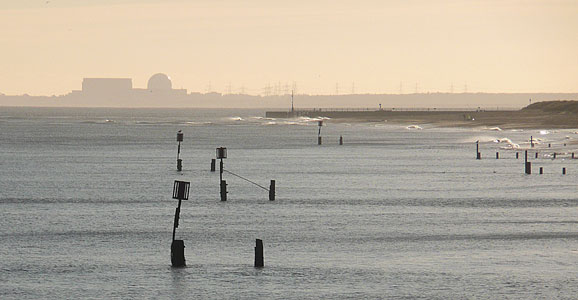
[(563, 171), (223, 190), (517, 155), (318, 140), (340, 140), (527, 164), (272, 190), (536, 155), (478, 154), (541, 170), (259, 261), (213, 164), (497, 155), (179, 164), (554, 155), (549, 145), (572, 155), (178, 253)]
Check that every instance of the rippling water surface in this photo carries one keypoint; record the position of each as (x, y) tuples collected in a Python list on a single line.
[(396, 212)]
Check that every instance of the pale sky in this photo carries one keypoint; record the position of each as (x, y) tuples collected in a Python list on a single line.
[(47, 47)]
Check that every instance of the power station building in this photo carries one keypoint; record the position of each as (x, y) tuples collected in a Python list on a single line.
[(159, 87)]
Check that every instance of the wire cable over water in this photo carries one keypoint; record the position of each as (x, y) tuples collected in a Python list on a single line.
[(246, 180)]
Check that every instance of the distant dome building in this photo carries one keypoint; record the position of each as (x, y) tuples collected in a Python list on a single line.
[(160, 82)]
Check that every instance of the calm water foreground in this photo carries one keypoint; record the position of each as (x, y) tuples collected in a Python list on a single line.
[(396, 212)]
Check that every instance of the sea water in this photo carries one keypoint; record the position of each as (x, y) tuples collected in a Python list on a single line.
[(397, 212)]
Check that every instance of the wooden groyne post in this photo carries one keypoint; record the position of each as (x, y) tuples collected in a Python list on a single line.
[(180, 192), (272, 190), (213, 164), (222, 154), (320, 123), (259, 261), (527, 164), (478, 154), (179, 160)]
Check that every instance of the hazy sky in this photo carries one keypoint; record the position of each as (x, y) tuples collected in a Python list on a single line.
[(47, 47)]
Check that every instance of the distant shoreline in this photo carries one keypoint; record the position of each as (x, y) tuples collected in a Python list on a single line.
[(550, 114)]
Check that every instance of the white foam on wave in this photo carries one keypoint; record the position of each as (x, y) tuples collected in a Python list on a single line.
[(508, 142), (415, 127), (494, 129), (544, 132), (235, 119)]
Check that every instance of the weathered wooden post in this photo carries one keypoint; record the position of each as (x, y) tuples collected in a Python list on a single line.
[(272, 190), (517, 154), (536, 155), (179, 160), (549, 145), (213, 163), (180, 192), (320, 123), (572, 155), (478, 154), (528, 165), (531, 141), (563, 171), (259, 261), (340, 140), (554, 155), (541, 171), (221, 154), (497, 155)]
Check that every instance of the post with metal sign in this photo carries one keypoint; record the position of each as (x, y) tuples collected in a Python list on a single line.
[(179, 160), (180, 192), (319, 133), (221, 154)]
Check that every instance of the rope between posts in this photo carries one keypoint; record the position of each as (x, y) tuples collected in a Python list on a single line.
[(246, 180)]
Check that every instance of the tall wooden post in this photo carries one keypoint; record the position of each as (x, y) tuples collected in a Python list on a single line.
[(180, 192)]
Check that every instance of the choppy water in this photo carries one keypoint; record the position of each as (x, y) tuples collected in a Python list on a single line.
[(85, 198)]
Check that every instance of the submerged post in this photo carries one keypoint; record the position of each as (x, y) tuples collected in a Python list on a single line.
[(517, 155), (259, 261), (497, 155), (340, 140), (554, 155), (541, 171), (180, 192), (536, 155), (213, 163), (272, 190), (563, 171), (532, 141), (179, 160)]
